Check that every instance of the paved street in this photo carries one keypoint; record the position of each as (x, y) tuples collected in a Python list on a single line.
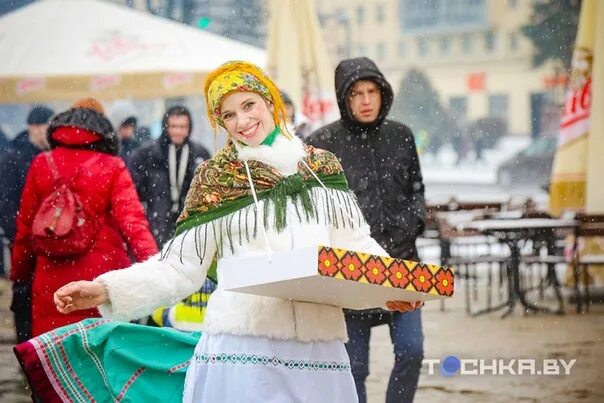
[(12, 386), (451, 333)]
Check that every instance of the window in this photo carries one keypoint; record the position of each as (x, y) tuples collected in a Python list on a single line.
[(402, 49), (360, 15), (466, 44), (381, 51), (489, 41), (458, 109), (380, 13), (513, 40), (422, 46), (444, 45), (498, 106)]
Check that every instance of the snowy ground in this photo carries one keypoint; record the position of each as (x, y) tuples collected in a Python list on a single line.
[(489, 337), (451, 332)]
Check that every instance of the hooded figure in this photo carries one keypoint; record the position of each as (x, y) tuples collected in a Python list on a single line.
[(381, 164), (380, 161), (84, 151), (162, 171)]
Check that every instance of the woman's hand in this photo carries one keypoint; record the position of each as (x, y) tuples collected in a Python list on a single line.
[(403, 306), (80, 295)]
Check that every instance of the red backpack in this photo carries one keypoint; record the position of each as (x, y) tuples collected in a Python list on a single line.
[(63, 227)]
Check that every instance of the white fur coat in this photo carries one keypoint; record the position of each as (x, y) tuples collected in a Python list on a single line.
[(138, 290)]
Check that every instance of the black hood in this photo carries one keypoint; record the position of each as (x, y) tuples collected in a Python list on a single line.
[(164, 139), (87, 119), (349, 72)]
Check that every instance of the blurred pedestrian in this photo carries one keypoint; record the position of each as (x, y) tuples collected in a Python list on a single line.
[(381, 164), (84, 158), (462, 144), (14, 165), (124, 120), (297, 123), (162, 171), (4, 144), (479, 140)]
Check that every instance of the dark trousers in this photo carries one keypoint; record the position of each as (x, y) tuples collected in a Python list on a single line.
[(408, 340), (21, 307)]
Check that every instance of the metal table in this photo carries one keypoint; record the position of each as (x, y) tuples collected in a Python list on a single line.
[(513, 232)]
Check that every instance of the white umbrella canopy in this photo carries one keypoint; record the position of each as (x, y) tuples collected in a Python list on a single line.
[(298, 60), (65, 49)]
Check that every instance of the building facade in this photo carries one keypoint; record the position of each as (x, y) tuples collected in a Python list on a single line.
[(242, 20), (472, 51)]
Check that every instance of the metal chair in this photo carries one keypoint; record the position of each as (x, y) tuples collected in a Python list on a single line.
[(590, 225), (469, 250)]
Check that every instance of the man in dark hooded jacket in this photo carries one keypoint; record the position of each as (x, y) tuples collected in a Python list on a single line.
[(163, 169), (382, 167)]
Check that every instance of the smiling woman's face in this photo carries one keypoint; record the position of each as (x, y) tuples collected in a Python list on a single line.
[(247, 117)]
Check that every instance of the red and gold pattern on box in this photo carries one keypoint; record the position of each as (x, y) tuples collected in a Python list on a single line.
[(386, 271)]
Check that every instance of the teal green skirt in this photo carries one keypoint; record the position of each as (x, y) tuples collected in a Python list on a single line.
[(103, 361)]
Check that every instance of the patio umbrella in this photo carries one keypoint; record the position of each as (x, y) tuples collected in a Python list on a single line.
[(68, 49), (578, 168), (298, 59)]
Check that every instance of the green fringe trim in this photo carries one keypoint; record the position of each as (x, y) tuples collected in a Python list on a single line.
[(292, 188), (277, 195)]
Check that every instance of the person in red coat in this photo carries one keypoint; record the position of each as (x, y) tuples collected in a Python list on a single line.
[(106, 188)]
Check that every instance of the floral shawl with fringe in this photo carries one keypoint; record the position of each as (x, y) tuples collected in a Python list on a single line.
[(220, 187)]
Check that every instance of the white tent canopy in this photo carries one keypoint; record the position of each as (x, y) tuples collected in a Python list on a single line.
[(64, 49)]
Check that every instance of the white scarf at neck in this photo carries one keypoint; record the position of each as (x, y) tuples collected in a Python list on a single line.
[(177, 181), (283, 155)]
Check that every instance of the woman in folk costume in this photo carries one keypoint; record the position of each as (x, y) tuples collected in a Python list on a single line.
[(264, 191)]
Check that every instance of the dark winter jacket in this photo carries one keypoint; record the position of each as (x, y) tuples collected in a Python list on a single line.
[(380, 162), (4, 142), (14, 164), (128, 146), (148, 165)]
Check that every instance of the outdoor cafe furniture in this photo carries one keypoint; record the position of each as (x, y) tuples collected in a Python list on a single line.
[(435, 209), (590, 225), (515, 233), (468, 251)]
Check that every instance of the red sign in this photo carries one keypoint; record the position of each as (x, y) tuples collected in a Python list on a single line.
[(100, 83), (114, 45), (314, 107), (29, 85), (476, 82), (175, 79), (560, 80)]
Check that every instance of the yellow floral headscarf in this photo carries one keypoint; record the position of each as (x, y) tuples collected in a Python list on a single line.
[(241, 76)]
